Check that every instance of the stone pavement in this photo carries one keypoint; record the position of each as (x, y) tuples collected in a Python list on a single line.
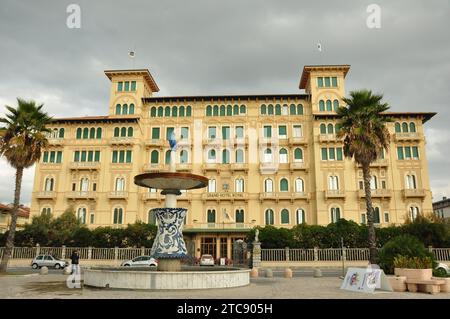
[(53, 286)]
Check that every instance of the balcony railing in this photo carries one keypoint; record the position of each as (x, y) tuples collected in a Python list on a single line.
[(213, 142), (185, 167), (232, 196), (414, 193), (239, 167), (55, 141), (268, 141), (299, 140), (45, 195), (240, 141), (277, 196), (184, 142), (152, 196), (408, 136), (85, 165), (268, 167), (122, 141), (376, 193), (118, 195), (153, 167), (327, 137), (335, 193), (218, 226), (297, 166), (300, 195), (155, 142), (81, 195)]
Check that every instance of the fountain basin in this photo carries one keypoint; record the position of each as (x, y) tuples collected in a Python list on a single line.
[(187, 278)]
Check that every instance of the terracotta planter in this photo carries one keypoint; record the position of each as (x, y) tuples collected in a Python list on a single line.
[(398, 284), (414, 274), (446, 287)]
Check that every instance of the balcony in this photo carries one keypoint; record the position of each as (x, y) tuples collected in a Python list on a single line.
[(122, 141), (240, 141), (222, 196), (225, 226), (208, 167), (118, 195), (55, 141), (212, 142), (277, 196), (148, 196), (378, 163), (81, 195), (153, 167), (239, 167), (413, 193), (268, 168), (300, 195), (299, 140), (411, 136), (185, 167), (185, 142), (328, 138), (268, 141), (297, 166), (376, 193), (335, 193), (155, 142), (85, 165), (45, 195)]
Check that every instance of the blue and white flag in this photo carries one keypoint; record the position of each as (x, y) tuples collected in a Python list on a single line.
[(173, 142)]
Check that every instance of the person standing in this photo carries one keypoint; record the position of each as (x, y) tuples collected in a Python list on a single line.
[(75, 258)]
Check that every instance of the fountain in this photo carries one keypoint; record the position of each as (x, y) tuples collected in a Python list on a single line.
[(168, 247)]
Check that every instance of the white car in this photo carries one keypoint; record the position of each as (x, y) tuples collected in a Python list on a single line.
[(207, 260), (48, 261), (443, 267), (141, 261)]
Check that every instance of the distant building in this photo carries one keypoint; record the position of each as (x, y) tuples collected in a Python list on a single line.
[(442, 208), (5, 217)]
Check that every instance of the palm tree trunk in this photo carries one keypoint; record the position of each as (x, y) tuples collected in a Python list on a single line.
[(12, 228), (370, 217)]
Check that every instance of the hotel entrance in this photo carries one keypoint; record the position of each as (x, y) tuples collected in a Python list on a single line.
[(208, 246)]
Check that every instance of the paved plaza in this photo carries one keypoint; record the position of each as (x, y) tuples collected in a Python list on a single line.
[(53, 286)]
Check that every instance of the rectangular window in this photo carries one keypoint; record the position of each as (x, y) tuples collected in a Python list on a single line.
[(383, 184), (97, 156), (52, 156), (324, 154), (121, 156), (114, 157), (74, 187), (282, 131), (331, 154), (91, 220), (129, 156), (120, 86), (59, 157), (83, 156), (133, 85), (45, 157), (94, 187), (90, 156), (212, 132), (327, 82), (334, 81), (298, 131), (127, 86), (239, 131), (267, 131), (155, 133), (415, 152), (184, 133), (320, 82), (339, 154), (76, 156), (386, 217), (363, 218), (225, 132), (400, 153), (407, 152), (169, 132)]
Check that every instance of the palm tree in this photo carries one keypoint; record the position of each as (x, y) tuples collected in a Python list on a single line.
[(21, 143), (363, 127)]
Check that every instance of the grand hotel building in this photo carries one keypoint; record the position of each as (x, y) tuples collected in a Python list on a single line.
[(272, 159)]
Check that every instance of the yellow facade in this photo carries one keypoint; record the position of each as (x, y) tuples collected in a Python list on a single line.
[(271, 159)]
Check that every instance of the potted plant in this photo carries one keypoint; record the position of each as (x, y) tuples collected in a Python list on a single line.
[(441, 274), (413, 268)]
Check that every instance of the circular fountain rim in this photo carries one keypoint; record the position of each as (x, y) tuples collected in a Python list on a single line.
[(202, 181)]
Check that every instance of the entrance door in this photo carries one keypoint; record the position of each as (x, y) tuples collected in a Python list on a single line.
[(208, 246)]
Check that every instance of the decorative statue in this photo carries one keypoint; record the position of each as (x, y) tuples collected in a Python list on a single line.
[(257, 235)]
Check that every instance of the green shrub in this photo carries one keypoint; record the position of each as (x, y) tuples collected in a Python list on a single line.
[(413, 262), (439, 272), (404, 245)]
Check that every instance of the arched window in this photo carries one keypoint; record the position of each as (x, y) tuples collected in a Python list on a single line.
[(208, 110), (300, 216), (376, 215), (398, 127), (188, 111), (118, 109), (411, 182), (167, 158), (299, 185), (335, 105), (239, 185), (182, 111), (131, 109), (412, 127), (268, 185), (123, 132), (268, 155), (299, 109), (284, 185), (321, 105), (292, 110), (225, 157), (263, 109), (92, 133), (242, 109), (239, 216), (269, 218), (329, 108), (284, 216), (99, 133), (130, 132), (46, 211), (283, 155), (174, 111), (212, 156), (183, 157), (49, 184), (239, 156), (222, 110), (125, 109), (84, 184), (151, 217), (167, 111), (333, 183), (270, 109), (79, 133), (153, 112), (216, 110), (120, 184), (373, 182), (160, 111), (298, 155), (285, 110), (413, 212), (85, 133), (278, 109), (229, 110), (211, 216), (211, 185), (236, 109), (116, 132), (81, 214), (61, 133), (154, 157), (323, 128), (330, 129), (405, 127), (335, 214), (118, 216)]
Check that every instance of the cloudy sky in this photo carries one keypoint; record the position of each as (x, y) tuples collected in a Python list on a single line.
[(227, 47)]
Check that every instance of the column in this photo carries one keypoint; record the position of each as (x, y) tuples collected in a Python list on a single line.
[(229, 251), (217, 247)]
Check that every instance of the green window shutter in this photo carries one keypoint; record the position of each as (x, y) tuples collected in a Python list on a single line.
[(299, 109), (412, 127), (154, 157), (99, 133), (239, 216), (284, 186), (407, 152), (115, 215), (212, 132), (321, 105), (211, 216), (129, 155), (323, 129), (45, 157), (174, 111), (324, 154), (153, 112), (121, 156), (278, 109), (334, 81), (125, 109), (118, 109), (61, 133), (160, 111), (236, 109), (285, 216), (239, 131), (90, 157), (239, 156), (116, 132), (405, 127), (216, 110), (339, 154), (181, 112), (398, 128), (267, 131), (263, 109), (52, 156), (169, 132), (120, 86), (167, 111), (133, 85), (167, 159), (97, 156), (83, 156), (225, 132), (127, 86), (85, 133), (184, 132), (329, 107), (79, 133), (331, 153), (130, 132), (415, 152), (330, 129), (298, 154), (188, 110), (270, 109), (123, 132), (208, 110), (76, 157), (335, 105), (155, 133), (92, 133), (327, 82), (222, 110), (59, 157), (131, 109), (400, 153), (114, 157), (320, 82), (282, 130), (292, 109), (242, 109), (225, 157), (230, 110)]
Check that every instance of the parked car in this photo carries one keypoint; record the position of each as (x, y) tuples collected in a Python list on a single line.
[(207, 260), (140, 261), (443, 267), (48, 261)]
